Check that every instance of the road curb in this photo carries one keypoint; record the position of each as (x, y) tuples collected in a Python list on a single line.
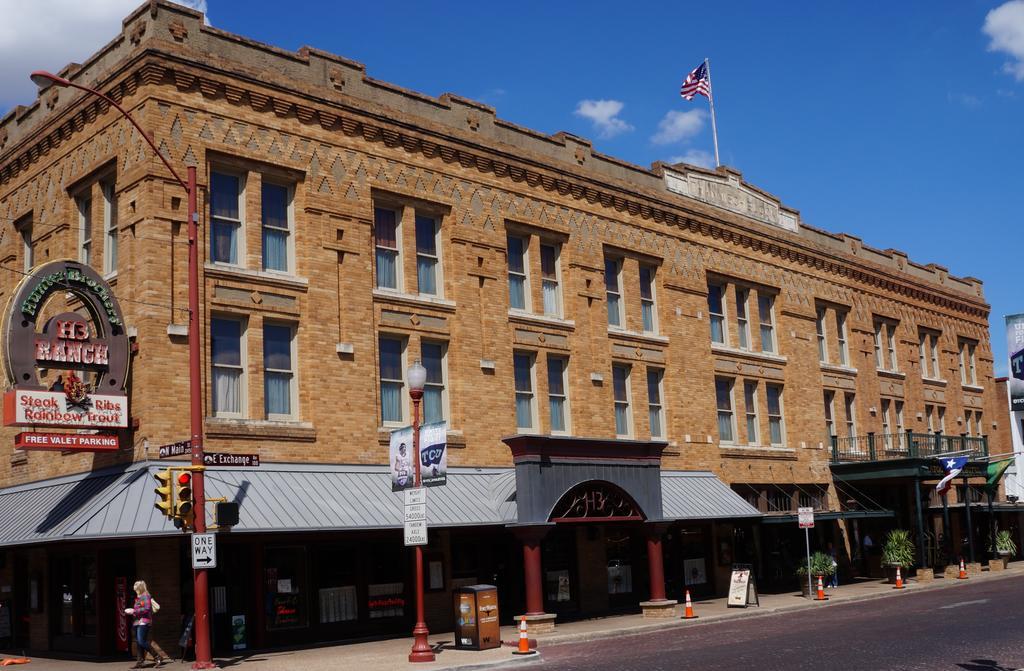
[(531, 659)]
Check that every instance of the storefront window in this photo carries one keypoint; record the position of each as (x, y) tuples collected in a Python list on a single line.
[(620, 569), (386, 591), (336, 596), (286, 586)]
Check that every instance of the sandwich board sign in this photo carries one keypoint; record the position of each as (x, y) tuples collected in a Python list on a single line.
[(742, 587)]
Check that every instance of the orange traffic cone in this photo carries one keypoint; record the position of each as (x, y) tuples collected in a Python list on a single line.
[(688, 615), (821, 591), (524, 641), (963, 570), (899, 579)]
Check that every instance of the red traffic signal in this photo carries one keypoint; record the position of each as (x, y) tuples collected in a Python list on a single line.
[(185, 478)]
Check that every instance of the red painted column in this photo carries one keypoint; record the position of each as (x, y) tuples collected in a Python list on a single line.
[(532, 575), (655, 565)]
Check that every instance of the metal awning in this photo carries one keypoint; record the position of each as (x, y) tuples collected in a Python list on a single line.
[(699, 495), (788, 518)]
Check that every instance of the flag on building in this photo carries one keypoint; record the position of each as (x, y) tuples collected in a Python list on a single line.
[(698, 81), (995, 472), (952, 466)]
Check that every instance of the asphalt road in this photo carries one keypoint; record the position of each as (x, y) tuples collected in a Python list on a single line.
[(974, 627)]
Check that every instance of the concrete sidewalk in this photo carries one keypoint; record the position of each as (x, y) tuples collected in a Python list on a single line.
[(392, 654)]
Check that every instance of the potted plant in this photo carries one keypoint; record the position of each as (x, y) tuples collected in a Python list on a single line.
[(821, 565), (897, 551), (1005, 547)]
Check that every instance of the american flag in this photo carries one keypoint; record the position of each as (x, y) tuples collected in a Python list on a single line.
[(697, 82)]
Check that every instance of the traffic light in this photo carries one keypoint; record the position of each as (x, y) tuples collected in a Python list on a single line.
[(165, 493), (183, 512)]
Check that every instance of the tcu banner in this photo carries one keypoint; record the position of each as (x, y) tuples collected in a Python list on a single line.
[(433, 456), (1015, 348)]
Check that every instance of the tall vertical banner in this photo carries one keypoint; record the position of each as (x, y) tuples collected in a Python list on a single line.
[(434, 454), (400, 457), (1015, 348)]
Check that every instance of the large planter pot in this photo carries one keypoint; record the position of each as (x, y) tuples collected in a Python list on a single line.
[(814, 583), (999, 563)]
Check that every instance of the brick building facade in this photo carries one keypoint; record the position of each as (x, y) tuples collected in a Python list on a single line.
[(352, 226)]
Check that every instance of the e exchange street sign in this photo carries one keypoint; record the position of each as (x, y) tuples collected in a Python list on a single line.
[(227, 459)]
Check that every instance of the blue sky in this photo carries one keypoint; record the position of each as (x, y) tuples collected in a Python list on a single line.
[(901, 123)]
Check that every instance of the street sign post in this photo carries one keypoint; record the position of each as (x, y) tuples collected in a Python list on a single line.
[(416, 516), (204, 551), (806, 519)]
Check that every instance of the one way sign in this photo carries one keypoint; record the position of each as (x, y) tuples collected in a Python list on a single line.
[(204, 551)]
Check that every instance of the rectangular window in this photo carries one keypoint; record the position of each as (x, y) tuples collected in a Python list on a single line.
[(822, 342), (900, 431), (278, 371), (226, 217), (228, 355), (716, 310), (620, 386), (851, 417), (968, 373), (647, 299), (522, 363), (844, 354), (941, 426), (765, 309), (929, 355), (276, 212), (723, 400), (28, 257), (742, 323), (887, 423), (428, 258), (750, 401), (392, 380), (84, 204), (518, 282), (979, 425), (386, 233), (929, 414), (110, 229), (776, 422), (550, 283), (435, 394), (613, 290), (558, 399), (830, 424), (890, 340), (969, 423), (655, 409)]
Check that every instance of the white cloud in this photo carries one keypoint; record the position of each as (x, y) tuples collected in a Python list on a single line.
[(676, 126), (697, 157), (1005, 25), (49, 34), (604, 114)]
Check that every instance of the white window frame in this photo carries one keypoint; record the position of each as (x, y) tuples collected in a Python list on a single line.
[(290, 214), (83, 203), (820, 321), (885, 346), (445, 412), (243, 357), (566, 414), (627, 403), (742, 317), (620, 311), (721, 318), (28, 254), (730, 385), (436, 257), (525, 274), (844, 349), (750, 411), (111, 238), (850, 407), (780, 417), (928, 346), (929, 416), (532, 360), (557, 281), (240, 247), (887, 423), (652, 302), (293, 386), (657, 409), (403, 393), (900, 430), (968, 367), (769, 324), (968, 422), (397, 250), (830, 413)]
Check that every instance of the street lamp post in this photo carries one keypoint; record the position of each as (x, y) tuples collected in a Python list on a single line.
[(421, 650), (204, 658)]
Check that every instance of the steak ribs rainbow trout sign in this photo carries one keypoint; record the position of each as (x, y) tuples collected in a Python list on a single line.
[(84, 352)]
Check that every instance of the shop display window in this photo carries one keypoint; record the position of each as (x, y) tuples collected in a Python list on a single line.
[(286, 587)]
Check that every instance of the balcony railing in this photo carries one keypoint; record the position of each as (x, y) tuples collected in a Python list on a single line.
[(907, 445)]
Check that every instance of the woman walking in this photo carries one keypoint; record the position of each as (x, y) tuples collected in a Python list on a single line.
[(142, 612)]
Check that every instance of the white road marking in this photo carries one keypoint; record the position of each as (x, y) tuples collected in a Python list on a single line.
[(963, 603)]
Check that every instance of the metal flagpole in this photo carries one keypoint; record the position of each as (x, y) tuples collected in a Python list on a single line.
[(711, 102)]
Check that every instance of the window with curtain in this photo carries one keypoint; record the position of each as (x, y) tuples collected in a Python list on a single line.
[(655, 409), (391, 352), (84, 204), (278, 370), (613, 291), (765, 309), (723, 400), (385, 232), (620, 386), (518, 284), (844, 353), (228, 367), (776, 422), (225, 217), (110, 228), (716, 310), (434, 391), (647, 310), (549, 280), (276, 213), (558, 398), (427, 256), (522, 363), (822, 314), (742, 323), (750, 402)]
